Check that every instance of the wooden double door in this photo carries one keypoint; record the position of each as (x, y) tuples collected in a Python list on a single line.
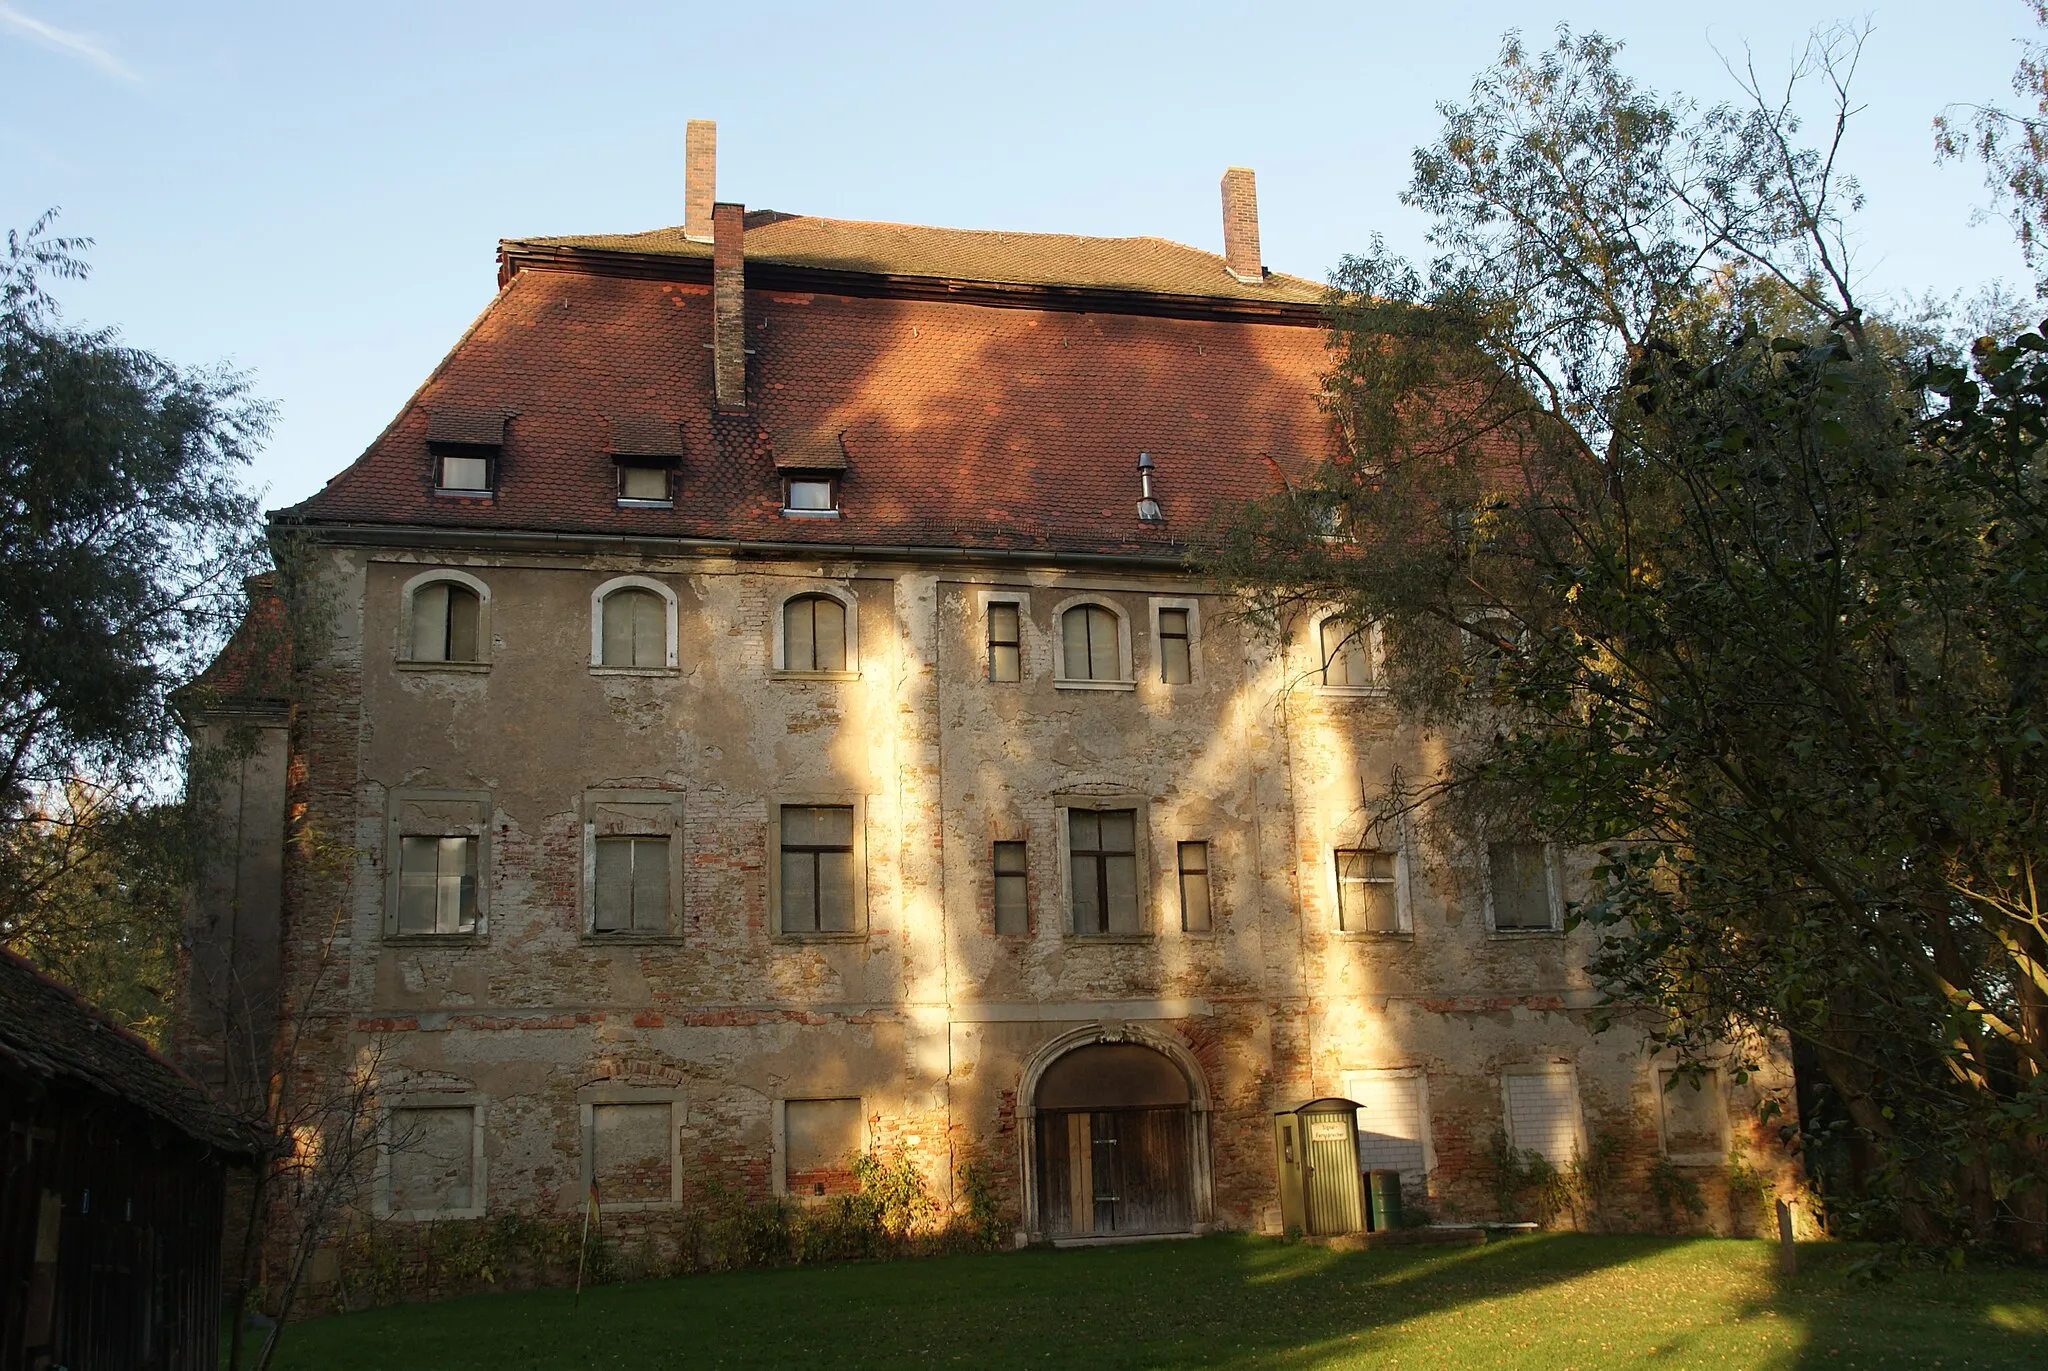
[(1115, 1172)]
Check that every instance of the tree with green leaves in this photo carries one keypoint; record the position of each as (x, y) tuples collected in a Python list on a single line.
[(1693, 563)]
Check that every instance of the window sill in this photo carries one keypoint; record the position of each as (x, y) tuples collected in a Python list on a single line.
[(405, 664), (810, 514), (445, 494), (1117, 939), (432, 1215), (856, 937), (1344, 692), (1702, 1160), (595, 939), (635, 671), (815, 675), (1517, 934), (1374, 935), (1062, 683), (437, 939), (635, 1206), (646, 504)]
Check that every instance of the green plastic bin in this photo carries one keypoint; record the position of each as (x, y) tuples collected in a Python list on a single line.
[(1385, 1189)]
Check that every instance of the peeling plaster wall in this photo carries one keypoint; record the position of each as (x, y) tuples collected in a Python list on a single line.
[(930, 1018)]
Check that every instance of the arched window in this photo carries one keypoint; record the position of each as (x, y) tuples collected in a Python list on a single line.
[(814, 634), (445, 617), (1347, 654), (635, 629), (1088, 634)]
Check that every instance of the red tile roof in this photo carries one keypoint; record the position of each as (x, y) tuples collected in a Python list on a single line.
[(963, 424)]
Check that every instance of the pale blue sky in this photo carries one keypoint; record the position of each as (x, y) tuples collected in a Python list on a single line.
[(316, 192)]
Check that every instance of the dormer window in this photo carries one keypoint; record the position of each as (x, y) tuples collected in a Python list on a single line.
[(811, 466), (646, 486), (465, 446), (813, 495), (469, 474), (647, 449)]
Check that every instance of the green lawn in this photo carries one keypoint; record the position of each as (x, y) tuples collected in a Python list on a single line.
[(1550, 1301)]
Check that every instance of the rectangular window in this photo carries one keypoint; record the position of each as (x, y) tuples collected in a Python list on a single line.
[(1005, 647), (1194, 887), (1695, 1115), (1013, 912), (1102, 844), (817, 869), (1368, 895), (810, 497), (821, 1138), (1175, 664), (463, 473), (632, 1152), (632, 885), (1391, 1122), (437, 884), (1543, 1113), (643, 485), (1518, 884), (433, 1159), (1347, 654)]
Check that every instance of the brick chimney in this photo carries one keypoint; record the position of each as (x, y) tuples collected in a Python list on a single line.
[(700, 174), (729, 308), (1241, 227)]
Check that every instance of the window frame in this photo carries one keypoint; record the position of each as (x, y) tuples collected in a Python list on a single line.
[(591, 1099), (1142, 861), (452, 576), (668, 475), (604, 591), (779, 627), (396, 828), (1662, 1072), (487, 453), (1420, 1076), (828, 480), (808, 800), (1126, 680), (1552, 1068), (665, 817), (1155, 606), (996, 878), (1404, 921), (1553, 884), (381, 1196), (779, 1139), (1375, 648), (1180, 879)]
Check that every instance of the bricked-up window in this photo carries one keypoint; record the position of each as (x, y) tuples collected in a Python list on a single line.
[(632, 885), (444, 623), (1175, 664), (1102, 845), (632, 1152), (814, 634), (635, 624), (1347, 654), (1005, 647), (643, 485), (1519, 887), (821, 1138), (1194, 887), (468, 472), (817, 869), (1543, 1113), (437, 884), (1368, 894), (1089, 639), (432, 1160), (1695, 1115), (1013, 911)]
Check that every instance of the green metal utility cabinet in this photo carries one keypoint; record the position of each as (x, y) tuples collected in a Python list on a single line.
[(1315, 1147)]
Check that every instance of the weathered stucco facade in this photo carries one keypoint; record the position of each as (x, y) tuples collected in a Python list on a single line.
[(687, 1054)]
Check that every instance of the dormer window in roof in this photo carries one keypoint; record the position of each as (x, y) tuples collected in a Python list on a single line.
[(811, 467), (647, 451), (465, 446)]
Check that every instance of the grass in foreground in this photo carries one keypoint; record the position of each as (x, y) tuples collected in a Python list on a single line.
[(1551, 1301)]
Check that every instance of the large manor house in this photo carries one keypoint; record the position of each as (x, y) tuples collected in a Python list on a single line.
[(756, 709)]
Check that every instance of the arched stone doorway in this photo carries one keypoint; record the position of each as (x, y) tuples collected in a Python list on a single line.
[(1117, 1142)]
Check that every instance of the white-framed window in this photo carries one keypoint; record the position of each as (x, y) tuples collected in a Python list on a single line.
[(1347, 655), (1371, 889), (1092, 646), (817, 633), (818, 1140), (632, 863), (1176, 638), (432, 1163), (1692, 1116), (1541, 1106), (438, 862), (444, 620), (817, 873), (631, 1147), (1102, 843), (633, 625), (1393, 1122), (1521, 887), (810, 496), (465, 470)]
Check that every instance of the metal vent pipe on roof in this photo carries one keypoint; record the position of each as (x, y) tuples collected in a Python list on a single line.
[(1148, 508)]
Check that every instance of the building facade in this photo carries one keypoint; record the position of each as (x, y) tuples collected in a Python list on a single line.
[(758, 711)]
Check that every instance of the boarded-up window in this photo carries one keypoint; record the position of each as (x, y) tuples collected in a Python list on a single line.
[(1695, 1115), (1089, 648), (1347, 655), (1013, 913), (1390, 1122), (814, 634), (1103, 846), (444, 623), (1368, 897), (817, 869), (433, 1159), (1005, 647), (635, 629), (1193, 860), (820, 1140), (632, 1152), (436, 884), (632, 885), (1176, 666), (1518, 883), (1543, 1113)]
